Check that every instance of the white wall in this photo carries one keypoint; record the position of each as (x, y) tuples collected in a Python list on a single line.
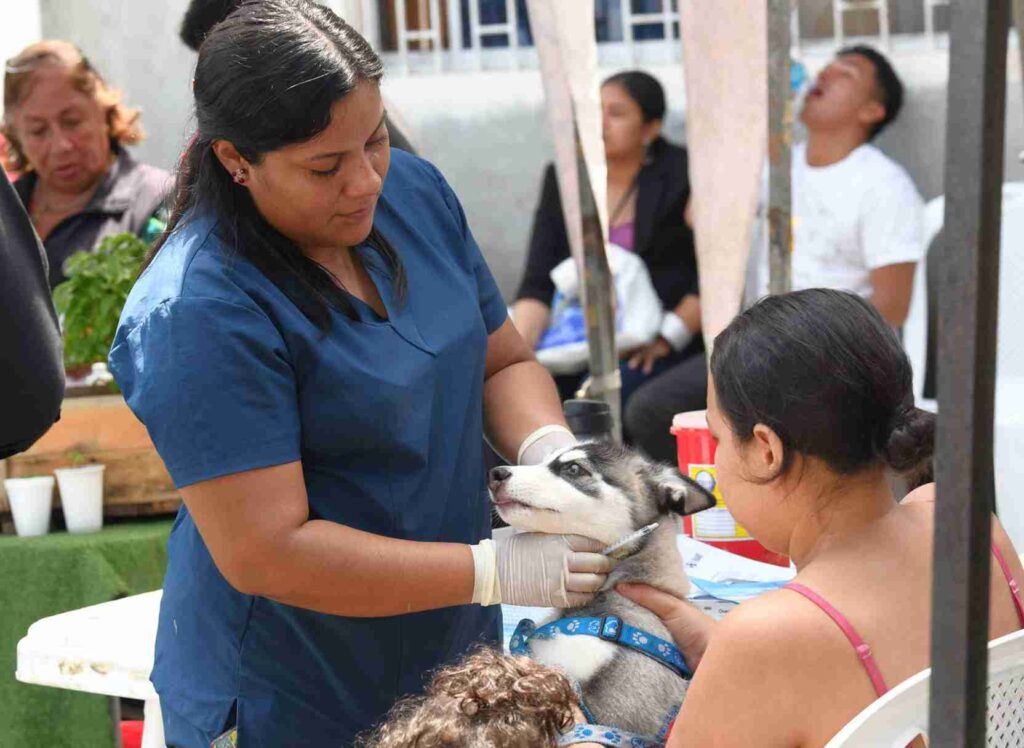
[(135, 45), (22, 25)]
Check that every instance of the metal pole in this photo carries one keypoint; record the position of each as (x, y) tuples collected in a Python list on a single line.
[(968, 308), (780, 120), (599, 301), (474, 32), (454, 10), (1018, 23), (401, 35), (626, 11), (512, 18)]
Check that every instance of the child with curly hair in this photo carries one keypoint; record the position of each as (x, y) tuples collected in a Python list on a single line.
[(488, 700)]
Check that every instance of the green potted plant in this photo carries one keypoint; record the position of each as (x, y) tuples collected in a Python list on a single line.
[(89, 302)]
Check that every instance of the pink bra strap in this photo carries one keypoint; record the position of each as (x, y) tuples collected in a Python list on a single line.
[(863, 650), (1014, 587)]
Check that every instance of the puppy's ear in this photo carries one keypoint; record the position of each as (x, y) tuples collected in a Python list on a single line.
[(678, 493)]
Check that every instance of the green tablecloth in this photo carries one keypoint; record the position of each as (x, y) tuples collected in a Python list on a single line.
[(41, 577)]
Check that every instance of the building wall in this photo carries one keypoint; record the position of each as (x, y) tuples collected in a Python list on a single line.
[(485, 130), (22, 25), (135, 46)]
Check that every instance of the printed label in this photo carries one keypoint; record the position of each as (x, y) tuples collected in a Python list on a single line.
[(715, 523)]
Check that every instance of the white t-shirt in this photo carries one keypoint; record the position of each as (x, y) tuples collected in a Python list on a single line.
[(849, 218)]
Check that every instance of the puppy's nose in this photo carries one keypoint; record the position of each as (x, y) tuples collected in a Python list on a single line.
[(500, 474)]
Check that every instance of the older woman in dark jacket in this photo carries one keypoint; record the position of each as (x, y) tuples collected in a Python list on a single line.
[(648, 191), (68, 131)]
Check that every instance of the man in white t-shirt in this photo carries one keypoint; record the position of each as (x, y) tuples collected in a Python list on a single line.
[(857, 216)]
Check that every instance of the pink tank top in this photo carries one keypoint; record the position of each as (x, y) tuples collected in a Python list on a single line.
[(862, 648)]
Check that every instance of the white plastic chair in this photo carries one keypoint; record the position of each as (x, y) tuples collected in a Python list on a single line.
[(881, 7), (915, 328), (902, 714), (1009, 422)]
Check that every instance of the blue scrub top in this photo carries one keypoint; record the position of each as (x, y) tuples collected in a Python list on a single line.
[(386, 416)]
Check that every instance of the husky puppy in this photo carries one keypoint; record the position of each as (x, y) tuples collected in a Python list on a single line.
[(606, 492)]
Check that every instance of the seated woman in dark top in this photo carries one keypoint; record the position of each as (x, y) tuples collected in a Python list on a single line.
[(648, 190), (67, 130)]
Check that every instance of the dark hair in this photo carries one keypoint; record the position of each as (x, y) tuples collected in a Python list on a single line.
[(201, 16), (828, 375), (890, 88), (644, 89), (267, 77)]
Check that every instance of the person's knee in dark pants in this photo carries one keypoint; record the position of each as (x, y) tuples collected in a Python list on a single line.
[(648, 414)]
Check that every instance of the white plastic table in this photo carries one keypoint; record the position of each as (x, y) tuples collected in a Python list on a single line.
[(103, 649)]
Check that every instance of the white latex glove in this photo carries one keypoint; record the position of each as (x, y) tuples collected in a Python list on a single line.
[(536, 569), (542, 442)]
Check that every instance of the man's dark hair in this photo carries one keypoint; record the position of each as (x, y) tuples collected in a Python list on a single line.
[(201, 16), (890, 88)]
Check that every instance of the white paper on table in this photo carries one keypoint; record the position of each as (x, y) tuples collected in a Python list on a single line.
[(728, 576)]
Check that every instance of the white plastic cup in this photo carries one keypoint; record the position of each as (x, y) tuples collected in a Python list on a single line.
[(31, 501), (81, 496)]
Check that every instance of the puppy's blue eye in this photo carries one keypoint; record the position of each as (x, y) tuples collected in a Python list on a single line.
[(574, 471)]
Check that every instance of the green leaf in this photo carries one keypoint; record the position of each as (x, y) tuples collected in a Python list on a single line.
[(91, 299)]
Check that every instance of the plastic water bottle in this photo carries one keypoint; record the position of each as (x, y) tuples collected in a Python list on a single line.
[(798, 77)]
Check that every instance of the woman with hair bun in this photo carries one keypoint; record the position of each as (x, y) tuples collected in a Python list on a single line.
[(810, 400)]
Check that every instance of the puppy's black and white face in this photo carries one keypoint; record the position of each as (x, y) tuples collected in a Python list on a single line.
[(597, 490)]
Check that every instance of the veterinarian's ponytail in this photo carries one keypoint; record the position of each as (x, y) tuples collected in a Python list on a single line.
[(829, 376)]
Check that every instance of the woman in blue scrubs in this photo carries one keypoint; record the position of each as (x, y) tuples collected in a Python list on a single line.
[(316, 348)]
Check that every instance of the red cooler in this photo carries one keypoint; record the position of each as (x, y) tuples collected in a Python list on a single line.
[(715, 526)]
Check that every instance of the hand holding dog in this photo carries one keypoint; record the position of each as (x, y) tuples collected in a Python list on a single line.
[(690, 628), (556, 571)]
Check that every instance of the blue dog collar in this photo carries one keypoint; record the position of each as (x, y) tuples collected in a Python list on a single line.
[(607, 736), (608, 628)]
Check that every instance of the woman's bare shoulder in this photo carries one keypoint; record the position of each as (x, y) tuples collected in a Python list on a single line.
[(773, 625), (921, 494), (756, 677)]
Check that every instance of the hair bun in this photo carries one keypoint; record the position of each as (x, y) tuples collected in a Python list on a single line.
[(911, 441)]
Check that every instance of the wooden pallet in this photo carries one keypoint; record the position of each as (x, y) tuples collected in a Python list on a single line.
[(99, 429)]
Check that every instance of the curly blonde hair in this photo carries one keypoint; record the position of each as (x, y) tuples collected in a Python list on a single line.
[(489, 700), (125, 127)]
